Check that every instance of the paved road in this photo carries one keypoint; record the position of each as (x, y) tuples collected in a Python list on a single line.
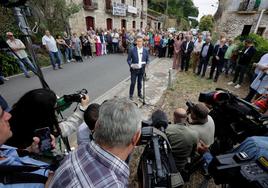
[(97, 76)]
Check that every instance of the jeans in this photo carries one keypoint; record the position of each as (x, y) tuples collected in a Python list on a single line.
[(68, 54), (26, 61), (115, 47), (136, 74), (240, 71), (103, 49), (55, 58)]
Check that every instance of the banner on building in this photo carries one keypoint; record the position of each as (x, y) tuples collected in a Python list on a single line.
[(119, 9), (132, 9)]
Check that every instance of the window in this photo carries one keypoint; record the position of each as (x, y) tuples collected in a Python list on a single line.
[(141, 2), (134, 24), (134, 3), (123, 1), (108, 4), (87, 2), (123, 24), (261, 31), (141, 25), (246, 30)]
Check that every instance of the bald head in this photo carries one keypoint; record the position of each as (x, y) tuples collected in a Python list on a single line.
[(180, 115)]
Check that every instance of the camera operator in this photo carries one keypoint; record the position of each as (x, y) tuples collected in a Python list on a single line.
[(183, 140), (9, 157), (85, 131), (101, 162), (35, 110), (202, 123)]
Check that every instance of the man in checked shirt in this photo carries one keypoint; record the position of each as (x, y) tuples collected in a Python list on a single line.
[(101, 163)]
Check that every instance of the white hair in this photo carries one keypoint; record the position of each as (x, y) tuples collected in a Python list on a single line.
[(119, 120)]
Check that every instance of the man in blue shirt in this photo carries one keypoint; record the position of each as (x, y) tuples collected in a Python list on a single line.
[(10, 157)]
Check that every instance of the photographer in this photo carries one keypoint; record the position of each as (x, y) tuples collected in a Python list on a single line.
[(101, 163), (201, 122), (183, 140), (35, 110), (9, 157)]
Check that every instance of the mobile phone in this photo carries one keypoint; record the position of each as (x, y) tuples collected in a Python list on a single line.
[(45, 140)]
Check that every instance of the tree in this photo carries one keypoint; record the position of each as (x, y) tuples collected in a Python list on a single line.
[(177, 8), (53, 14), (206, 23)]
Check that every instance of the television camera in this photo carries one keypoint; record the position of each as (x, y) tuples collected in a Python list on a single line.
[(235, 119), (157, 167)]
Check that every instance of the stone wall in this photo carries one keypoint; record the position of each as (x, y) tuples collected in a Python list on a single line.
[(232, 21), (78, 22)]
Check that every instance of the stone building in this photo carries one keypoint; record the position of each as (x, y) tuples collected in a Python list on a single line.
[(109, 14), (236, 17)]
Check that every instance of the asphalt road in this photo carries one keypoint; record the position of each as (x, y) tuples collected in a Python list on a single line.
[(97, 75)]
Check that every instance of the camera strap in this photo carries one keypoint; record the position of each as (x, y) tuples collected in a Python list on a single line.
[(20, 174), (175, 176)]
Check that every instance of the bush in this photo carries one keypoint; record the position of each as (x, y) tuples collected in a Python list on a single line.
[(9, 65), (260, 43)]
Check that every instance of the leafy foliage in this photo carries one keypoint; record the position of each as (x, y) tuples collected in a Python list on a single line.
[(179, 9), (206, 23), (10, 67)]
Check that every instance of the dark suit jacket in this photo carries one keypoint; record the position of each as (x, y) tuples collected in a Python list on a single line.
[(245, 58), (189, 50), (210, 51), (133, 57), (220, 54)]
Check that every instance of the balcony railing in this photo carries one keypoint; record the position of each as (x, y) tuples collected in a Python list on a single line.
[(93, 6), (109, 7), (246, 7)]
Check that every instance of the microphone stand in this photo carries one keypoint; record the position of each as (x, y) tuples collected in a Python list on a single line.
[(143, 88)]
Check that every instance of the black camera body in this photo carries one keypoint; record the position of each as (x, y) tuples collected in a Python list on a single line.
[(239, 170), (235, 119), (157, 167)]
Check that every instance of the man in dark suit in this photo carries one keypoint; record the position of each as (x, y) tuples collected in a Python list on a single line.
[(245, 58), (138, 58), (205, 54), (218, 59), (187, 47)]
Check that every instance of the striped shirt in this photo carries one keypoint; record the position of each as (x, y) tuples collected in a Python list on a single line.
[(91, 166)]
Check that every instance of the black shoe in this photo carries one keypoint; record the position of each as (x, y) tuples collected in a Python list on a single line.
[(140, 96), (27, 76), (54, 68), (131, 98), (60, 67)]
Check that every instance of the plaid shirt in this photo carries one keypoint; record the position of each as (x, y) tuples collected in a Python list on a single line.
[(91, 166)]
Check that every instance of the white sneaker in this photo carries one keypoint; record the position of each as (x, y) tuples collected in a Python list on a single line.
[(230, 83), (5, 79), (237, 86)]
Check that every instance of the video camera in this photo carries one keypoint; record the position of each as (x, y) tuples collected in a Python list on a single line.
[(157, 167), (235, 119), (239, 170)]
